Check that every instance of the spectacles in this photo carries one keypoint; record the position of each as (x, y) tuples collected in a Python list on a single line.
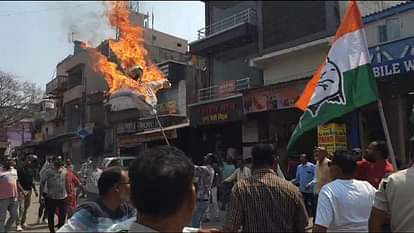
[(125, 183)]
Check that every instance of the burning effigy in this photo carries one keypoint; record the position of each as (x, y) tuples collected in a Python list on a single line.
[(133, 78)]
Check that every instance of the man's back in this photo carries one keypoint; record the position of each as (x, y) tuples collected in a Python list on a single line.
[(345, 205), (266, 203), (395, 197)]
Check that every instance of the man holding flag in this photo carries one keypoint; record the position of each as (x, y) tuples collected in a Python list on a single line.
[(343, 82)]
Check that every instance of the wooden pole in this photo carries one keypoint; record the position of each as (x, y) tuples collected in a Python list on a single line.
[(387, 134)]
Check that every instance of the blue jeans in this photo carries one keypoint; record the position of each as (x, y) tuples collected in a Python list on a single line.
[(202, 206), (8, 204)]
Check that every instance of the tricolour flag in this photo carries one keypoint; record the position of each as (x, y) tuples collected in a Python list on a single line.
[(343, 82)]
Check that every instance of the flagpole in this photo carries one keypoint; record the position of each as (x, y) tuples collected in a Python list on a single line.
[(387, 134)]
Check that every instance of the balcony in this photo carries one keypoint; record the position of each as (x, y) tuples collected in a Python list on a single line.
[(235, 30), (72, 94), (57, 85), (227, 88)]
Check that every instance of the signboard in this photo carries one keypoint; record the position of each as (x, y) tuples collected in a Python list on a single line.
[(332, 136), (272, 98), (140, 125), (158, 136), (217, 112), (393, 58)]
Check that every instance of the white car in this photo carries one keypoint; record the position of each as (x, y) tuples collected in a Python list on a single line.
[(123, 161)]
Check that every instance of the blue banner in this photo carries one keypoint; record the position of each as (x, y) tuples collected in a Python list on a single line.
[(393, 58)]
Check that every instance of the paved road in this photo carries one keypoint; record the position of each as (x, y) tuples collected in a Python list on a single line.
[(33, 227)]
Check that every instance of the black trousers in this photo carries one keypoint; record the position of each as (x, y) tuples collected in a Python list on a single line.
[(309, 200), (42, 208), (51, 206)]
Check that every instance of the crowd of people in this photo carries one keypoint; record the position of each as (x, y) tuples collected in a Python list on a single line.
[(164, 191)]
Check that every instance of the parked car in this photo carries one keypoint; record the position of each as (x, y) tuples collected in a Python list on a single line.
[(123, 161)]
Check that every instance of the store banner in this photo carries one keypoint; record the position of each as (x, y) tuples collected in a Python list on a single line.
[(332, 136), (393, 58), (272, 97), (217, 112)]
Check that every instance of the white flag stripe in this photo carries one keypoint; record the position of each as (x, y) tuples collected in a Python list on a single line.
[(350, 51)]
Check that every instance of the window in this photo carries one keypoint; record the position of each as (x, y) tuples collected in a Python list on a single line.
[(382, 33), (391, 30), (307, 17), (154, 37), (75, 77), (179, 45)]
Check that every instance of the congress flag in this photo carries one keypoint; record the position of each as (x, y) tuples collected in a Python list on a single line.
[(343, 82)]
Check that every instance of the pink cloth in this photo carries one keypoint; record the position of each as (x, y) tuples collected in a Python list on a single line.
[(8, 184)]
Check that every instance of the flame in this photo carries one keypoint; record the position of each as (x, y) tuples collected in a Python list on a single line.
[(130, 52)]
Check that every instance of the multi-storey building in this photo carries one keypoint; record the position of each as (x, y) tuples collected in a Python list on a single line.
[(228, 41), (283, 43), (82, 125)]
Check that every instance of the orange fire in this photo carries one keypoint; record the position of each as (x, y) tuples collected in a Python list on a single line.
[(130, 52)]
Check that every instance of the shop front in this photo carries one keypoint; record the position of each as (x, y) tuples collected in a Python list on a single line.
[(216, 127), (135, 136), (393, 67), (271, 116)]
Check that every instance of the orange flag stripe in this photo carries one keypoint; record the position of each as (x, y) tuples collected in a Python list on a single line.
[(352, 22), (306, 96)]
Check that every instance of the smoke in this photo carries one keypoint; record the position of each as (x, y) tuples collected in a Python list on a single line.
[(85, 21)]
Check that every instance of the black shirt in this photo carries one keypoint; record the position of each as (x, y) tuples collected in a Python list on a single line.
[(25, 176)]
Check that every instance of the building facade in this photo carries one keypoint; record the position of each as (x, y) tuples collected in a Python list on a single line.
[(290, 40), (228, 41)]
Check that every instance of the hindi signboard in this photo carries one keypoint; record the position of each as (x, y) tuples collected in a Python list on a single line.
[(332, 136)]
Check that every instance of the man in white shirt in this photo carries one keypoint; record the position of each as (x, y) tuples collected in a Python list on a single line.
[(92, 191), (344, 205)]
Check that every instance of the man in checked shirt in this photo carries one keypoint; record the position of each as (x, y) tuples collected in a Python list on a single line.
[(264, 202)]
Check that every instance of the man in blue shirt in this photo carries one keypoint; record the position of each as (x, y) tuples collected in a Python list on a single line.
[(305, 173)]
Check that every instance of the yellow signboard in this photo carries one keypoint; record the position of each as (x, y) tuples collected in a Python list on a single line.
[(332, 136)]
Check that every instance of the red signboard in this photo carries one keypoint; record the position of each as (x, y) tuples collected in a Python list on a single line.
[(272, 97)]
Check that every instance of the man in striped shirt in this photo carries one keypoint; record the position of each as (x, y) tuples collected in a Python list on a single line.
[(264, 202)]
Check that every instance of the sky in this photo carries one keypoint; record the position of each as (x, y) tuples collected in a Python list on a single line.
[(36, 35)]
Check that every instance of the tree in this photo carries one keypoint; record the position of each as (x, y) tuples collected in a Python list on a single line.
[(16, 97)]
